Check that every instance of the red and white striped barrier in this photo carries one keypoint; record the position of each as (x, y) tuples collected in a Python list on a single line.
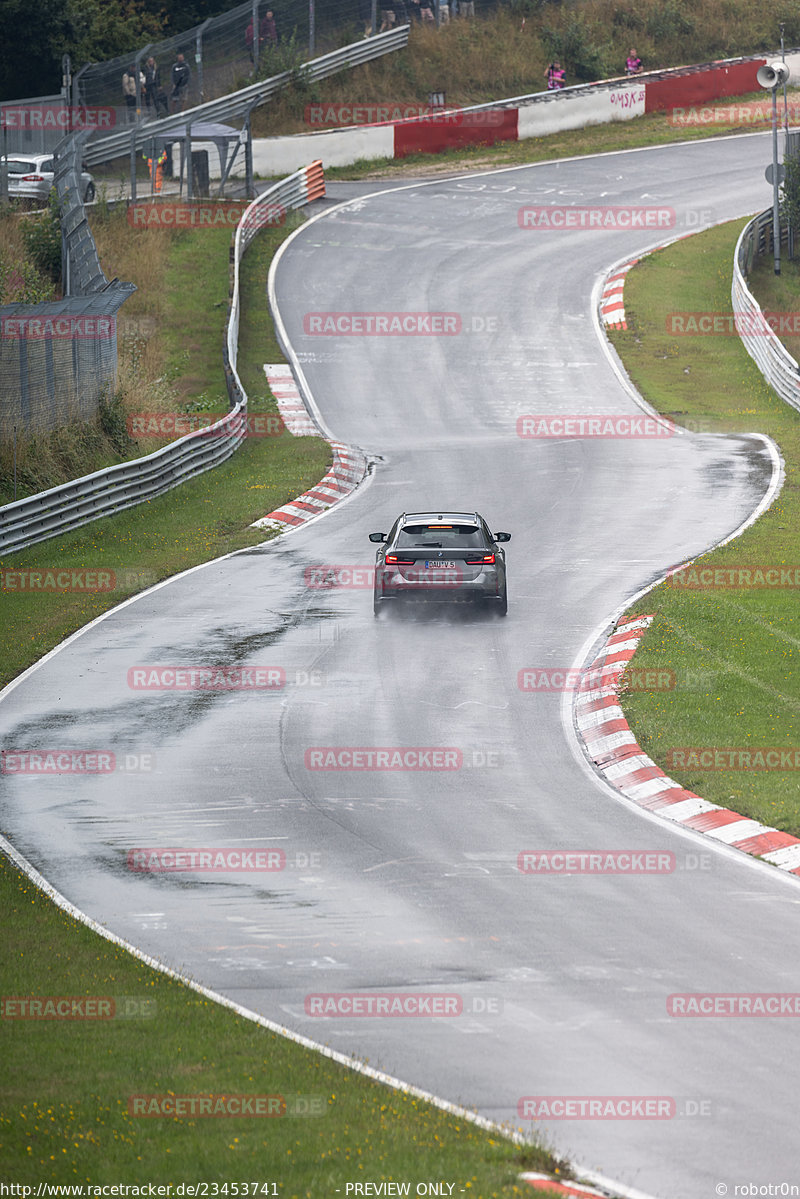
[(612, 747), (612, 305), (517, 118), (348, 469)]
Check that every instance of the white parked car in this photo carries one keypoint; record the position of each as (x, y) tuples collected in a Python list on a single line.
[(32, 176)]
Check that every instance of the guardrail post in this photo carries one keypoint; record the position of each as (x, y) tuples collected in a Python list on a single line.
[(133, 165), (189, 177), (137, 66)]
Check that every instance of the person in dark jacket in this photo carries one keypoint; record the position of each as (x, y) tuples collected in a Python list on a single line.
[(180, 83), (268, 32)]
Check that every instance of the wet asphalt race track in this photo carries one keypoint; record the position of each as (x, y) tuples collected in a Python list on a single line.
[(410, 880)]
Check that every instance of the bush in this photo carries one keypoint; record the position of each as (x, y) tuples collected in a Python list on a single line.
[(575, 49), (41, 236), (113, 423)]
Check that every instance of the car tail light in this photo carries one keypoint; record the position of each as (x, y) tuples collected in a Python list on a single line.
[(489, 558), (32, 178), (393, 559)]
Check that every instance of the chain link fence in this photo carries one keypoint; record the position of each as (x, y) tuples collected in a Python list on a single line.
[(58, 359)]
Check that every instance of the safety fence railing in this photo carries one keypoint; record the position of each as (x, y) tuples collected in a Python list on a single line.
[(238, 105), (763, 345), (58, 358), (71, 505)]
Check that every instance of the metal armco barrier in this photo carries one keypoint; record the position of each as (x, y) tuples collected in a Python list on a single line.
[(64, 508), (768, 352), (239, 104)]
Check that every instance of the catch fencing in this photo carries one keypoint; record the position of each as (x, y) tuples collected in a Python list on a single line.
[(763, 345), (58, 359), (68, 507)]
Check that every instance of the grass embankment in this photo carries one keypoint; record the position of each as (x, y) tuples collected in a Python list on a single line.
[(735, 651), (506, 52), (184, 293), (65, 1115)]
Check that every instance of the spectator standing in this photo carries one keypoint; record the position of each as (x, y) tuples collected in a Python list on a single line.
[(388, 16), (556, 76), (426, 11), (633, 64), (365, 16), (180, 83), (466, 8), (152, 82), (268, 32), (129, 92)]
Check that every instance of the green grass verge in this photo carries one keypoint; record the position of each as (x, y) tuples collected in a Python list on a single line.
[(734, 652), (209, 515), (65, 1108)]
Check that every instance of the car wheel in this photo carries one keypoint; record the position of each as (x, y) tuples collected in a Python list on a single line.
[(377, 605), (89, 193), (502, 603)]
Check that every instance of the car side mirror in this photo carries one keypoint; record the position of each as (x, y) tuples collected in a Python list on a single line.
[(502, 536), (377, 536)]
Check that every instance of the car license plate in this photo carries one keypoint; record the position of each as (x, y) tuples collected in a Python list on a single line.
[(437, 564)]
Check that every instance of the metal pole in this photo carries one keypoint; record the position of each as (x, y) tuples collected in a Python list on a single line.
[(138, 71), (189, 178), (4, 168), (776, 225), (66, 86), (198, 57), (15, 462), (785, 101), (374, 17), (436, 12), (248, 160), (311, 27), (255, 36), (133, 165)]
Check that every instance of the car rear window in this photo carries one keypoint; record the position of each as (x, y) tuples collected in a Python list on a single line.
[(17, 167), (447, 536)]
